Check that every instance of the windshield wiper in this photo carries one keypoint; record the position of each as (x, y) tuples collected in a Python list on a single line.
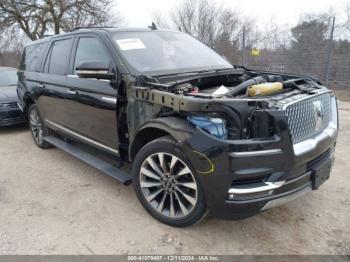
[(151, 82), (210, 71), (205, 71), (200, 74), (227, 69)]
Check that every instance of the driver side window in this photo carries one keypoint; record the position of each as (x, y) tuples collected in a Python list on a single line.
[(90, 49)]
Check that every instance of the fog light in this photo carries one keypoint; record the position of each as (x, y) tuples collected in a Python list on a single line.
[(231, 196), (238, 197)]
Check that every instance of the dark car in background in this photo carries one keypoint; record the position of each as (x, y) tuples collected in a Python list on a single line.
[(10, 113)]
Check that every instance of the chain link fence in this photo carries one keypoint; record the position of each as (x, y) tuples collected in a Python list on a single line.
[(339, 66), (328, 61)]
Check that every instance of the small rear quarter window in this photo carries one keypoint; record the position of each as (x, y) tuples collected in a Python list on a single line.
[(32, 56)]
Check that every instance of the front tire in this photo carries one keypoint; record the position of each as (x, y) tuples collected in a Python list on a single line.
[(166, 184), (37, 127)]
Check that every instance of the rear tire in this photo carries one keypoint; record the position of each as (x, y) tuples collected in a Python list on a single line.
[(166, 184), (37, 127)]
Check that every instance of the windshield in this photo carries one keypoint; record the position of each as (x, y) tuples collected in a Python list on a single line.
[(8, 78), (165, 52)]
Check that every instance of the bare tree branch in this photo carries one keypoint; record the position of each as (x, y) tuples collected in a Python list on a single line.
[(160, 20), (347, 12), (39, 17), (198, 18)]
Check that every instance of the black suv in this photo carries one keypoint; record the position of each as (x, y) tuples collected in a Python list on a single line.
[(202, 136)]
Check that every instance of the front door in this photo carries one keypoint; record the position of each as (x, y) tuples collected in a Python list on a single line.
[(91, 108)]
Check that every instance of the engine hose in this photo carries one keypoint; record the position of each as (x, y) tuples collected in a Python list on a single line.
[(241, 88)]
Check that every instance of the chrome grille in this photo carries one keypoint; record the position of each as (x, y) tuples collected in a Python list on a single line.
[(302, 119)]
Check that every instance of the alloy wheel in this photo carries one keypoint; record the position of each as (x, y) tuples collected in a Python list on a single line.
[(168, 185), (36, 126)]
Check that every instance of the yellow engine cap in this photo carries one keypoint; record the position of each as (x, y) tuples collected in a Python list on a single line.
[(265, 89)]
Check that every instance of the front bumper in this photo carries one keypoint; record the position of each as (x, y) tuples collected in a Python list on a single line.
[(10, 114), (295, 183), (245, 177)]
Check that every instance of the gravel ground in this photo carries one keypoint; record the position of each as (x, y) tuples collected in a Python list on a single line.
[(51, 203)]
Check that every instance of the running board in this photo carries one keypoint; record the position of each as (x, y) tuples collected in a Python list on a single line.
[(90, 159)]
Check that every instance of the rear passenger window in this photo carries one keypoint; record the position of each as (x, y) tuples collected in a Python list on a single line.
[(90, 49), (59, 57), (31, 57)]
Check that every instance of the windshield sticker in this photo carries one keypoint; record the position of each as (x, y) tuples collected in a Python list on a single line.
[(130, 44)]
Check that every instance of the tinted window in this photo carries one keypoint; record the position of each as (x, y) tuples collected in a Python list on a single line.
[(90, 49), (8, 78), (59, 56), (31, 57)]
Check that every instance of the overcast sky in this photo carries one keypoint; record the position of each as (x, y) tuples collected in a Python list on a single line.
[(138, 13)]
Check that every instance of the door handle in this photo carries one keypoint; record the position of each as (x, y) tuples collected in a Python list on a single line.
[(72, 92), (110, 99), (41, 85)]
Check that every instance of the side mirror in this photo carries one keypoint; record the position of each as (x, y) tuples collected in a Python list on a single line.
[(93, 69)]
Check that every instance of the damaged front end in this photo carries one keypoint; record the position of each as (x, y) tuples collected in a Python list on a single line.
[(243, 131), (231, 105)]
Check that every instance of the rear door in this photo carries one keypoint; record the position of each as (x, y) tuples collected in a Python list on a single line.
[(92, 109), (30, 65), (53, 83)]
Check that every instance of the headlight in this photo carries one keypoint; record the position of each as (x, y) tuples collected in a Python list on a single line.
[(213, 125)]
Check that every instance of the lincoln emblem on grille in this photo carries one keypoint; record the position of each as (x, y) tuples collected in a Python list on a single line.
[(318, 114)]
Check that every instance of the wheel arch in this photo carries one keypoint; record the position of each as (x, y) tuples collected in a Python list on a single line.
[(28, 101), (177, 128)]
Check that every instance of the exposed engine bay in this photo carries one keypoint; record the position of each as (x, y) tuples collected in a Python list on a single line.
[(242, 84), (229, 104)]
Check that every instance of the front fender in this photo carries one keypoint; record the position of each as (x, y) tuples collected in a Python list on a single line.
[(179, 129)]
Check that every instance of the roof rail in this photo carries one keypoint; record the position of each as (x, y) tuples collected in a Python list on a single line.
[(44, 36), (90, 27)]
